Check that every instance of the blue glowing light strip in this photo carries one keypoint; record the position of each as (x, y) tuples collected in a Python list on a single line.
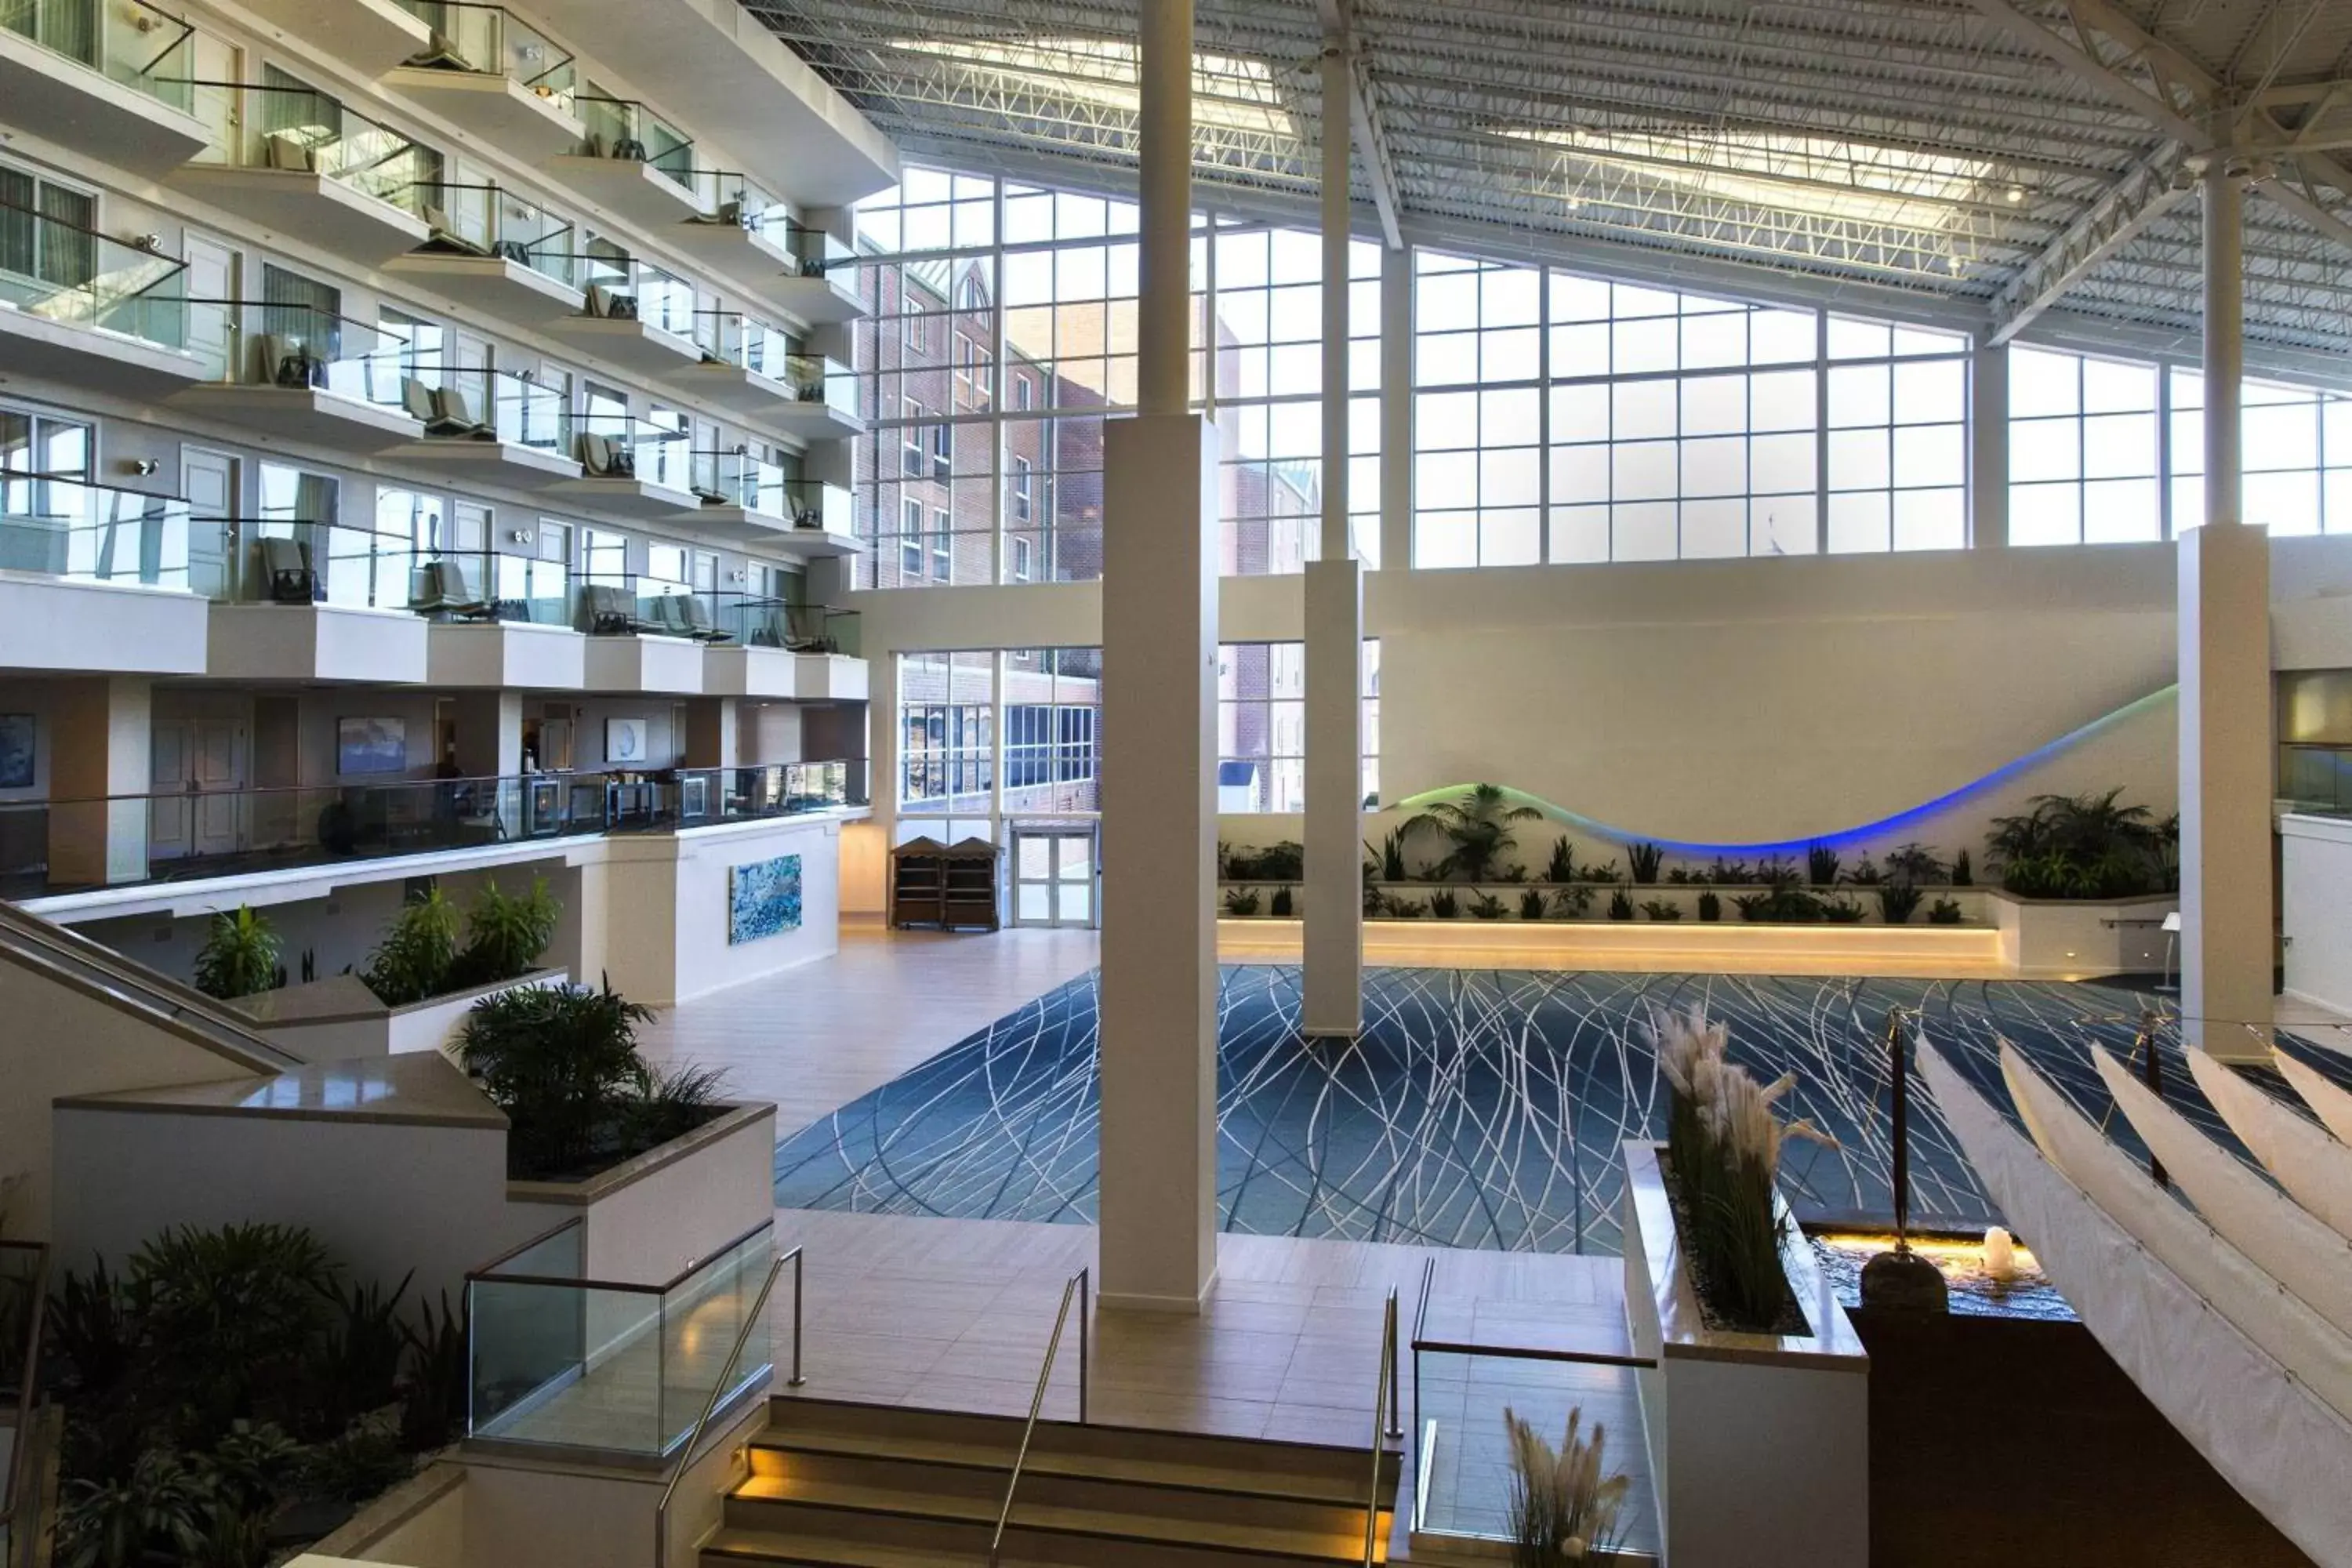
[(1884, 827)]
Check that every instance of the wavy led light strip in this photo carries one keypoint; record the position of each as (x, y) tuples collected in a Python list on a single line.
[(1884, 827)]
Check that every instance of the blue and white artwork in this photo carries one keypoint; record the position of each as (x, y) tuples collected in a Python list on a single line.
[(763, 899), (16, 750)]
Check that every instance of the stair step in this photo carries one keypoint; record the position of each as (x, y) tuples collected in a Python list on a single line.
[(959, 1523), (1270, 1465), (1052, 1455)]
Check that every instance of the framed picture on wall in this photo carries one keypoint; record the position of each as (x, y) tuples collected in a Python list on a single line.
[(624, 743), (16, 750), (371, 745)]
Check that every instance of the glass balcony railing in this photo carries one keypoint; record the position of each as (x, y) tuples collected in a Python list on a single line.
[(227, 832), (826, 381), (60, 272), (624, 128), (128, 41), (493, 585), (623, 446), (92, 533), (639, 290), (760, 620), (493, 41), (301, 129), (302, 561), (555, 1358), (739, 478), (299, 346), (746, 341), (623, 603), (489, 221)]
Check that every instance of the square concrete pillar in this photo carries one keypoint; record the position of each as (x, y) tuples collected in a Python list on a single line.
[(489, 733), (710, 732), (2227, 766), (1159, 983), (1333, 951), (101, 739)]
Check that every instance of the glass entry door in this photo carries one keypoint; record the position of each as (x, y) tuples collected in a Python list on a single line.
[(1055, 875)]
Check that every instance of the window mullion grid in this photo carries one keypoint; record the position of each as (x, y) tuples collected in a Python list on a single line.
[(1543, 418), (2164, 520), (998, 550), (996, 746), (1822, 433)]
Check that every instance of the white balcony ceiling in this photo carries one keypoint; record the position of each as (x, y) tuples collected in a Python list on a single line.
[(2007, 164)]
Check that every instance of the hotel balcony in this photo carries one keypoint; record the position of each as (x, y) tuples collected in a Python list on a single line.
[(109, 81), (373, 35), (494, 74), (314, 600), (499, 620), (750, 503), (489, 248), (782, 651), (646, 634), (743, 365), (635, 316), (631, 162), (749, 241), (288, 370), (79, 308), (97, 580), (634, 467), (525, 440), (823, 406), (299, 163)]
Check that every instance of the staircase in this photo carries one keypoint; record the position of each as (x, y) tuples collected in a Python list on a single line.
[(869, 1486)]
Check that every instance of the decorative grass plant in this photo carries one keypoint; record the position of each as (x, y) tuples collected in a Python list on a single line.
[(1723, 1154), (1563, 1508)]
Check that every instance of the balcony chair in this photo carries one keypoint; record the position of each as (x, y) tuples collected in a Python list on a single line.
[(606, 457), (443, 237), (443, 410), (695, 616), (292, 580), (439, 54), (611, 612), (440, 588), (611, 305), (282, 150), (282, 361)]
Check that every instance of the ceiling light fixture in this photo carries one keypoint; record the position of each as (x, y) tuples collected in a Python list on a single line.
[(2016, 193)]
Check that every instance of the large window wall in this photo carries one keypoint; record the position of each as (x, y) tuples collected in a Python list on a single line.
[(1262, 726), (2108, 451), (1003, 334), (990, 735), (1556, 416)]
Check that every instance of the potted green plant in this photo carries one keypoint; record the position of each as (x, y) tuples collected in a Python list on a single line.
[(239, 956), (1477, 826)]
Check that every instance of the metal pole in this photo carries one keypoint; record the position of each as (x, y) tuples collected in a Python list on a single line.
[(1338, 87), (2225, 340), (796, 1379), (1164, 126), (1902, 1128), (1085, 1337), (2153, 1070)]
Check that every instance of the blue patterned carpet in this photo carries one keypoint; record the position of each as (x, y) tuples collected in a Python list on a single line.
[(1480, 1108)]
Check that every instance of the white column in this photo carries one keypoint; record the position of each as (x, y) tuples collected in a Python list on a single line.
[(102, 735), (1396, 410), (1333, 935), (2226, 759), (1989, 448), (1159, 985)]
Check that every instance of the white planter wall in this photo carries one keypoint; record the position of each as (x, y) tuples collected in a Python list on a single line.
[(1759, 1444), (2056, 938), (2316, 899)]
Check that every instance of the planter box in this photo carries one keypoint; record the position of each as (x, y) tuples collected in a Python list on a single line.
[(648, 1217), (1759, 1444), (338, 1018), (2065, 939), (1974, 902)]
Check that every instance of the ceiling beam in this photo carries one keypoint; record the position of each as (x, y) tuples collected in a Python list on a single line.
[(2178, 96), (1364, 120), (2145, 192)]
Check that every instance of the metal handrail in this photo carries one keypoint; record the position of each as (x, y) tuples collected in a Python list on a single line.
[(718, 1388), (27, 1385), (60, 948), (1082, 1283), (1385, 1429)]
